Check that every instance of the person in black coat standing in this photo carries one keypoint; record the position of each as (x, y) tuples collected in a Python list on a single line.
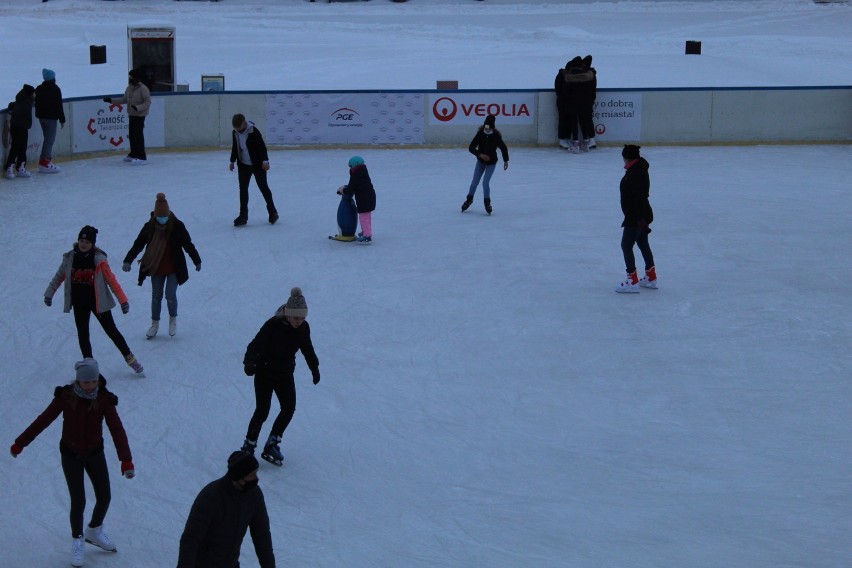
[(484, 146), (361, 186), (248, 152), (164, 238), (638, 215), (20, 122), (271, 359), (220, 516), (48, 111)]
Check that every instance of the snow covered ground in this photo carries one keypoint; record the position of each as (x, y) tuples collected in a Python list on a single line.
[(486, 399)]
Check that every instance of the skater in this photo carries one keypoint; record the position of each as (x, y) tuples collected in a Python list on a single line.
[(635, 186), (484, 146), (220, 516), (572, 97), (361, 187), (20, 122), (85, 404), (271, 359), (48, 111), (88, 281), (248, 151), (164, 238), (586, 111), (137, 97)]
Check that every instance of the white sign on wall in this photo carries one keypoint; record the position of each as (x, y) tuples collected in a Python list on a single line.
[(453, 109), (354, 118), (618, 116), (102, 126)]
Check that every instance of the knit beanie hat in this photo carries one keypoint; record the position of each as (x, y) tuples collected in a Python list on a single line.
[(87, 369), (630, 152), (296, 305), (587, 61), (89, 233), (240, 464), (48, 74), (489, 120), (355, 161), (161, 206)]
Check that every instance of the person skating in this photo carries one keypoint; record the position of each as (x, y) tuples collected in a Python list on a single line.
[(137, 97), (638, 215), (220, 516), (164, 238), (361, 187), (49, 112), (484, 146), (579, 84), (248, 152), (271, 359), (85, 404), (88, 280), (20, 122)]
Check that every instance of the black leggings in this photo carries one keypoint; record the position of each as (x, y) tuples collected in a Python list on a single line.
[(629, 237), (244, 174), (18, 148), (81, 320), (284, 387), (95, 466)]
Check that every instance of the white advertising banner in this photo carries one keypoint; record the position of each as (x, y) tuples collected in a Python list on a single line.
[(102, 126), (454, 109), (345, 118), (618, 116)]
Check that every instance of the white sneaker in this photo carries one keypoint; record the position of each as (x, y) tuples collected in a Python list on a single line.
[(10, 172), (172, 326), (630, 285), (137, 162), (77, 552), (127, 159), (152, 331), (50, 168), (563, 143), (592, 144), (97, 536), (22, 171)]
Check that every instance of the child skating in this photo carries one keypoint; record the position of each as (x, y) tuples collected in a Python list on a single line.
[(361, 186)]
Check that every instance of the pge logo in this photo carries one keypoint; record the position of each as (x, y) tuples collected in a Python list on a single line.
[(445, 109), (345, 114)]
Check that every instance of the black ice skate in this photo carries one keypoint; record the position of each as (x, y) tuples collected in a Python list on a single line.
[(272, 452), (488, 205), (467, 203)]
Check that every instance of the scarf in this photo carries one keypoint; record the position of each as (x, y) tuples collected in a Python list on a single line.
[(156, 246), (83, 394)]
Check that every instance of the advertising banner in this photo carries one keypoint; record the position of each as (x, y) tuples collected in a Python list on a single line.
[(618, 116), (353, 118), (453, 109), (101, 126)]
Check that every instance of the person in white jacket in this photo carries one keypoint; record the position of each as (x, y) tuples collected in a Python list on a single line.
[(137, 97)]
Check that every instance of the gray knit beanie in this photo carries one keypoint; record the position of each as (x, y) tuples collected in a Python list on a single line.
[(296, 305), (87, 369)]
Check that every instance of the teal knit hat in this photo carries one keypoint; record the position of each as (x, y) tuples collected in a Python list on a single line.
[(355, 161)]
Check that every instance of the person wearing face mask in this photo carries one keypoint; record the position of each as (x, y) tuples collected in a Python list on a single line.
[(220, 516), (137, 97), (85, 404), (484, 146), (248, 152), (271, 359), (164, 238)]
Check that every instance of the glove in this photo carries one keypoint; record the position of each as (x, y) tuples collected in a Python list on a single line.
[(231, 166), (198, 267), (125, 308), (127, 469), (126, 267), (315, 373), (107, 100), (249, 369), (15, 450), (133, 107), (48, 301)]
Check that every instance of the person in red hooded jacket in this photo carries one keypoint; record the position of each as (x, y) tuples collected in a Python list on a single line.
[(85, 405)]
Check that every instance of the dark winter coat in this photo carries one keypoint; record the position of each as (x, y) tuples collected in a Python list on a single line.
[(361, 186), (273, 349), (635, 188), (48, 102), (21, 109), (82, 422), (487, 144), (255, 145), (217, 525), (577, 89), (179, 241)]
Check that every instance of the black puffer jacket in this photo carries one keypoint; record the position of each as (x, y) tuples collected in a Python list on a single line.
[(179, 241), (21, 109), (273, 349), (48, 102), (361, 186), (635, 188), (487, 144)]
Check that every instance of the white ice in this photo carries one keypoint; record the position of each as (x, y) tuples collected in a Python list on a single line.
[(487, 399)]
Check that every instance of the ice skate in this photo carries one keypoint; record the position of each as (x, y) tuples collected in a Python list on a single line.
[(138, 162), (487, 203), (362, 240), (127, 159), (273, 217), (630, 284), (592, 145), (152, 331), (272, 452), (10, 172), (97, 536), (575, 147), (172, 326), (47, 167), (564, 143), (249, 446), (650, 279), (134, 364), (467, 203), (241, 220), (22, 171), (77, 551)]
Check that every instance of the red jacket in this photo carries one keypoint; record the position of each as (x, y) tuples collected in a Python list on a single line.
[(82, 422)]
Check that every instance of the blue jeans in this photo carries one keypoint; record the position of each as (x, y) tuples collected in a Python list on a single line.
[(48, 129), (157, 284), (477, 174)]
